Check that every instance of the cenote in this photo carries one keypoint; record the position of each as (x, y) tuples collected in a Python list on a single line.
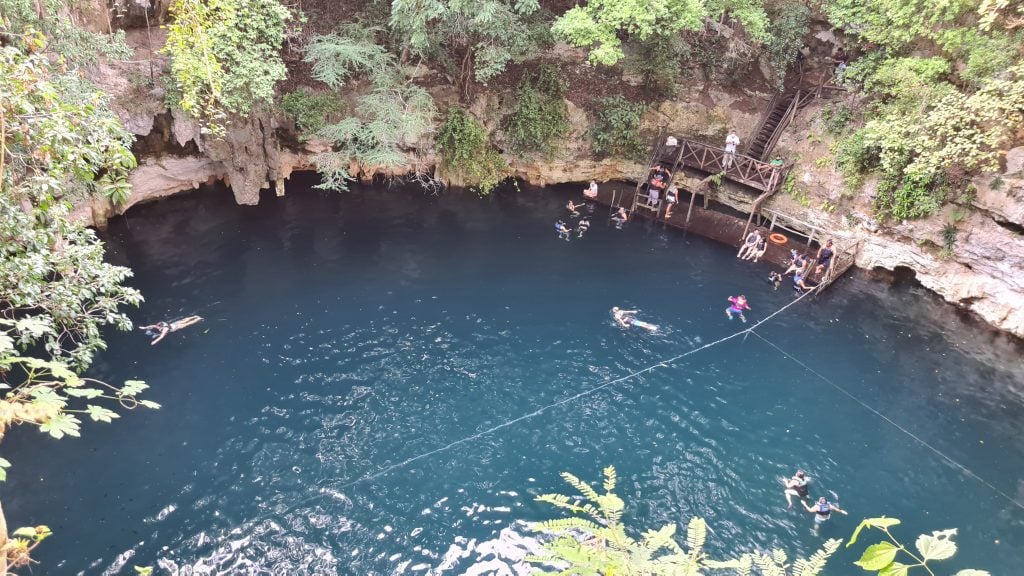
[(348, 333)]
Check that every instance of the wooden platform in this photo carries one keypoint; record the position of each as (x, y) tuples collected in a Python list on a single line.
[(718, 226)]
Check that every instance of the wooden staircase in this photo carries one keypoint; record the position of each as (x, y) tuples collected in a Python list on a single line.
[(780, 112)]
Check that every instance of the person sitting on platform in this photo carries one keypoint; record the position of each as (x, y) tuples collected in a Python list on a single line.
[(798, 262), (671, 197), (801, 285), (590, 191), (749, 244), (757, 251)]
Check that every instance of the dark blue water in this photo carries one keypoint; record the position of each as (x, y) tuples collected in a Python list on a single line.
[(348, 333)]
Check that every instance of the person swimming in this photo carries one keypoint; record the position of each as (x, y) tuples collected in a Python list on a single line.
[(775, 279), (796, 486), (737, 306), (582, 226), (563, 230), (620, 217), (573, 208), (161, 329), (822, 511)]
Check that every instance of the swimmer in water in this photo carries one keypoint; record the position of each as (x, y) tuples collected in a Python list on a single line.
[(572, 207), (160, 329), (582, 226), (775, 279), (737, 306), (796, 486), (627, 318), (563, 230), (822, 511)]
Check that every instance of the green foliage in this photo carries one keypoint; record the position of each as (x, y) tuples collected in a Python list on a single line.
[(607, 547), (790, 22), (616, 131), (881, 558), (836, 118), (311, 110), (945, 96), (540, 119), (467, 152), (392, 116), (949, 234), (478, 38), (600, 25), (656, 60), (225, 56), (49, 17), (56, 293)]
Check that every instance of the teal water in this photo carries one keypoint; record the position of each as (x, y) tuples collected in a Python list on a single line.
[(349, 333)]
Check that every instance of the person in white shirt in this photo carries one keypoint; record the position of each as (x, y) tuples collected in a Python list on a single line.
[(731, 142)]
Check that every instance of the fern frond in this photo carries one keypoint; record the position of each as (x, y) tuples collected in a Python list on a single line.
[(609, 479), (766, 564), (655, 540), (816, 563), (696, 534), (582, 487), (560, 501), (342, 131), (779, 557), (560, 525)]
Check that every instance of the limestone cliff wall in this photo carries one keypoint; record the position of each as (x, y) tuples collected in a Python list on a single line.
[(984, 273)]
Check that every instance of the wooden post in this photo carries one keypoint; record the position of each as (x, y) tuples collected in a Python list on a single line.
[(810, 238), (693, 196), (747, 227), (774, 216)]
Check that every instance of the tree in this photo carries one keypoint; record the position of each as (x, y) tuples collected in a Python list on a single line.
[(393, 116), (600, 24), (475, 38), (57, 142), (225, 56), (65, 39), (466, 152)]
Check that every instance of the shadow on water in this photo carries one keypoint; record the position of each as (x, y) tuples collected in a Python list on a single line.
[(348, 333)]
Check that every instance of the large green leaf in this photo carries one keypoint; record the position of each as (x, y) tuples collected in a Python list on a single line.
[(894, 569), (61, 425), (132, 388), (936, 546), (84, 392), (877, 556), (882, 522), (101, 414)]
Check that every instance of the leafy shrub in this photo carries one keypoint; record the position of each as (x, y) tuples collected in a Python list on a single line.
[(466, 151), (541, 118), (225, 55), (789, 25), (911, 196), (311, 110), (855, 157), (836, 118), (617, 129), (656, 60)]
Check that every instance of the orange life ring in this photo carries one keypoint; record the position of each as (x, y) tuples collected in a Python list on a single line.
[(777, 238)]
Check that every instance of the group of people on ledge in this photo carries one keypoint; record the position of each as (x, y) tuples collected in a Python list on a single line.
[(802, 266)]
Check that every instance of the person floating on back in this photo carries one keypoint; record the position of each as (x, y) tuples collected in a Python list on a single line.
[(739, 304), (795, 486), (627, 318), (160, 329)]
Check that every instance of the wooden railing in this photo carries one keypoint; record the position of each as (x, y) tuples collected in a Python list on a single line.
[(743, 169)]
